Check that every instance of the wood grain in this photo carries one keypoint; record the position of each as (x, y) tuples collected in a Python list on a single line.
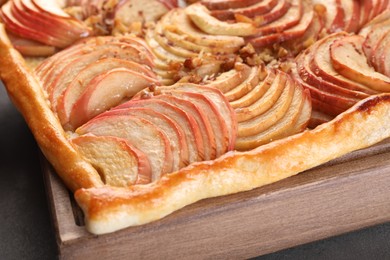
[(343, 195)]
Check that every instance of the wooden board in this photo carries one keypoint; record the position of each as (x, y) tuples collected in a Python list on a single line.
[(343, 195)]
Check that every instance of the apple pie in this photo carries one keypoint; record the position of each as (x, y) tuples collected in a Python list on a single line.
[(144, 107)]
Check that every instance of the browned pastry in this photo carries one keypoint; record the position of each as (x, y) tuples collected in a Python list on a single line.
[(212, 101)]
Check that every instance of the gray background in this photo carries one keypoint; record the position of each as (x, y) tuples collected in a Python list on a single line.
[(25, 227)]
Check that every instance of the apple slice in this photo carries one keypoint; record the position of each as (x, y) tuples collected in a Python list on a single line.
[(266, 101), (186, 121), (348, 59), (209, 24), (119, 163), (141, 133), (172, 130), (261, 122), (256, 93), (102, 93), (253, 10)]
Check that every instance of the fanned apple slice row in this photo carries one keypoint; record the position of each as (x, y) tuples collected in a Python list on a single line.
[(349, 60), (201, 16), (261, 122), (181, 24), (257, 92), (122, 48), (214, 123), (289, 124), (50, 67), (307, 75), (84, 79), (321, 65), (291, 33), (324, 101), (257, 74), (24, 19), (171, 129), (224, 108), (104, 92), (288, 20), (166, 27), (13, 25), (74, 27), (250, 10), (310, 36), (193, 135), (182, 101), (266, 101), (70, 71), (119, 163), (140, 133), (66, 31)]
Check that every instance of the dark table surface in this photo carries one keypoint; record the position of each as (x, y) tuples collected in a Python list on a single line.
[(25, 227)]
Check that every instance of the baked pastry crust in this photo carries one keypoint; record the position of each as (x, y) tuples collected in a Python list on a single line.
[(108, 209)]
